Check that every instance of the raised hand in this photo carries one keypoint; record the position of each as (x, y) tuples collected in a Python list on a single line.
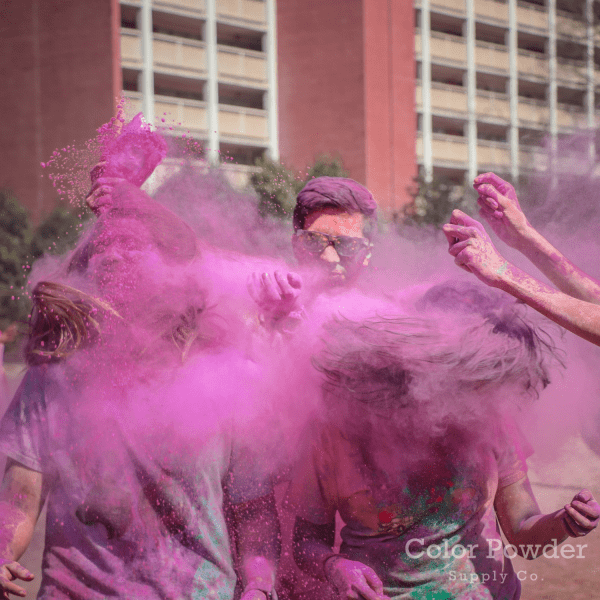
[(99, 197), (353, 580), (500, 207), (9, 571), (472, 248), (276, 295), (582, 515)]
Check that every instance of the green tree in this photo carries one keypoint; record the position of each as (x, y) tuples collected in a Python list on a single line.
[(21, 243), (15, 240), (434, 201), (277, 185), (326, 166), (58, 232)]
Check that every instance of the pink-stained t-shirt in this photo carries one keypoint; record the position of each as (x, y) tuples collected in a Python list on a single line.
[(136, 502), (421, 517)]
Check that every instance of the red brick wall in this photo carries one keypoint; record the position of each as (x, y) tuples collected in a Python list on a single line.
[(321, 82), (404, 107), (60, 67), (347, 86), (390, 112)]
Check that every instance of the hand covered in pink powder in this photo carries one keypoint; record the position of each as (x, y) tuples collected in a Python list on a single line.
[(277, 295), (500, 207), (582, 515), (472, 248), (9, 571), (99, 197), (353, 580)]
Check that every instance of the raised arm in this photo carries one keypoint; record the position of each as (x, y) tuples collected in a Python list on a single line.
[(22, 496), (500, 207), (474, 252)]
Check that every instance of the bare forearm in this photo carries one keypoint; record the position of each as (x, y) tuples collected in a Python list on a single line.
[(22, 496), (539, 531), (559, 269), (16, 531), (259, 542), (578, 316)]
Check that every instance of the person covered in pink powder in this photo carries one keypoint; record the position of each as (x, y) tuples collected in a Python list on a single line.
[(575, 304), (334, 221), (121, 424), (418, 454)]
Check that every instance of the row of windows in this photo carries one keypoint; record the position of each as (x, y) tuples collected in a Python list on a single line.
[(485, 131), (487, 82), (194, 89), (570, 49), (575, 9), (190, 28), (236, 154)]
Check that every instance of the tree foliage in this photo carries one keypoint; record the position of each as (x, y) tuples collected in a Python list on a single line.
[(58, 232), (15, 243), (277, 185), (434, 201), (21, 243)]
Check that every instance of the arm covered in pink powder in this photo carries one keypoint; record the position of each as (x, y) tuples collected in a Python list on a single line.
[(22, 496), (474, 252), (530, 531), (259, 544), (131, 153), (500, 207)]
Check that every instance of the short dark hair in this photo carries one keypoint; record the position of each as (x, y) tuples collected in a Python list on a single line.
[(334, 192)]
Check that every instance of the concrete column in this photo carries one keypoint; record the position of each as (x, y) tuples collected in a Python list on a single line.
[(270, 47), (426, 90), (513, 89), (590, 100), (552, 96), (471, 91), (212, 82), (147, 75)]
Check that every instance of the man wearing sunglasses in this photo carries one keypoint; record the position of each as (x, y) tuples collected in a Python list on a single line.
[(334, 220)]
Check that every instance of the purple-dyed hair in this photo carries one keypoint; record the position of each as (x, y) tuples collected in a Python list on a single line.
[(334, 192)]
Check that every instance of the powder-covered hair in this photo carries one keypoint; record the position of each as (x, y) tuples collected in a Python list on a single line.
[(335, 192), (431, 372), (62, 319)]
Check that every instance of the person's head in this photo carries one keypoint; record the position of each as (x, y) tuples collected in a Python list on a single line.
[(131, 268), (511, 331), (334, 221), (422, 375)]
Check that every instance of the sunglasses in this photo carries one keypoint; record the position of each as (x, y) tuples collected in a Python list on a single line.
[(315, 242)]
